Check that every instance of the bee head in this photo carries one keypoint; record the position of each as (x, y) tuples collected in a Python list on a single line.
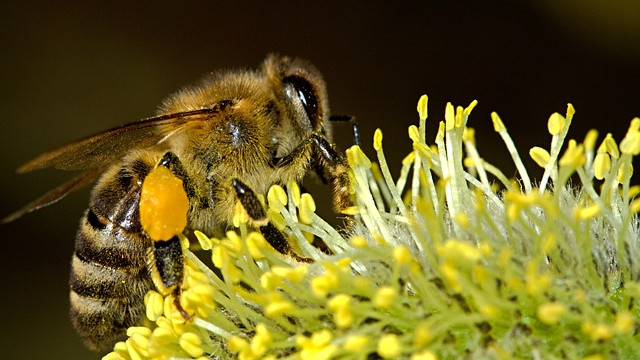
[(303, 92)]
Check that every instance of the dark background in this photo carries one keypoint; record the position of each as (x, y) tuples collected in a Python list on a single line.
[(69, 70)]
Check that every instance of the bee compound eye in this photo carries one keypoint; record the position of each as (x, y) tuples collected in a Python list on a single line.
[(299, 90)]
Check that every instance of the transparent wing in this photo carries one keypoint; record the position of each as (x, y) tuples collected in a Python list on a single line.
[(109, 146), (56, 194), (95, 153)]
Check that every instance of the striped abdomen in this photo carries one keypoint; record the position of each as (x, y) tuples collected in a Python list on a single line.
[(109, 275)]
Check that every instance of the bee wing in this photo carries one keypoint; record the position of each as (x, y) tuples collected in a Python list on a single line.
[(109, 146), (56, 194)]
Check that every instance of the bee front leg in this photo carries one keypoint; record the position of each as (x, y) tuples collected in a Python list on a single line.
[(164, 204), (253, 207), (330, 165), (352, 121)]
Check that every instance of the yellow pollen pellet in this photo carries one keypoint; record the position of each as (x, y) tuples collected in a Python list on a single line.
[(163, 205)]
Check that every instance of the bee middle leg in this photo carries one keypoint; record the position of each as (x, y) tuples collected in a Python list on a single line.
[(256, 212)]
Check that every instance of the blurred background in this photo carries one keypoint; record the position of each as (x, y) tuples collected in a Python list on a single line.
[(75, 68)]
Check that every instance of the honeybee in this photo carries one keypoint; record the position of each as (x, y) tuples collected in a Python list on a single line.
[(224, 140)]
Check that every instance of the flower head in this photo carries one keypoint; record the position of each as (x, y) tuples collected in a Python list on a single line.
[(450, 259)]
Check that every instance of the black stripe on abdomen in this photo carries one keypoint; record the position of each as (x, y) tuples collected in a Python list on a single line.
[(102, 243), (92, 280)]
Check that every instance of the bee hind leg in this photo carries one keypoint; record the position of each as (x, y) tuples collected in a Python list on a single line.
[(162, 201), (253, 207), (168, 270)]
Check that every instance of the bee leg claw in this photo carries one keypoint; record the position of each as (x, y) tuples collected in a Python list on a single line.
[(176, 302)]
